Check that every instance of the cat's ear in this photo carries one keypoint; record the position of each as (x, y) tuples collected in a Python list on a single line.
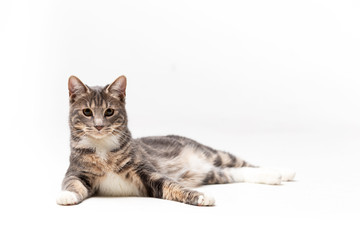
[(118, 88), (76, 87)]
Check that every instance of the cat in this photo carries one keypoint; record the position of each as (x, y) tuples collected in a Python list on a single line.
[(106, 160)]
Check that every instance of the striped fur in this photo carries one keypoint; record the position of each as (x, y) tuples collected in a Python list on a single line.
[(110, 162)]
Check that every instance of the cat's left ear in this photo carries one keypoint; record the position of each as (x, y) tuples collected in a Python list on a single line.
[(76, 88), (118, 88)]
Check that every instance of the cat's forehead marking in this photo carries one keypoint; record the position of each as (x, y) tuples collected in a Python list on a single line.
[(97, 100), (103, 103), (92, 103)]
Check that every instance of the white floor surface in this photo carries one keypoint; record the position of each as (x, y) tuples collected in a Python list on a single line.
[(322, 202)]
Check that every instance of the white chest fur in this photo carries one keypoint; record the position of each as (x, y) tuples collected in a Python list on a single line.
[(102, 146), (117, 185)]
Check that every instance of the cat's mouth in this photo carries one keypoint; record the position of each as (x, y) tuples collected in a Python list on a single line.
[(100, 133)]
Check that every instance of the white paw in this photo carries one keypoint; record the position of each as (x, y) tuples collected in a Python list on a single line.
[(286, 174), (205, 200), (256, 175), (67, 198), (268, 176)]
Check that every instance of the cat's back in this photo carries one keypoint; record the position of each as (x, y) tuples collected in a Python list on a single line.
[(160, 146), (171, 143), (170, 146), (160, 142)]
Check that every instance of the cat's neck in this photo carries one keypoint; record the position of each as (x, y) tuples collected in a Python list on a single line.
[(102, 146)]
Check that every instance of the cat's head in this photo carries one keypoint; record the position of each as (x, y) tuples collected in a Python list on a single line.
[(97, 112)]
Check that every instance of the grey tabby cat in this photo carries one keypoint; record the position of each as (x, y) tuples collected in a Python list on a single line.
[(106, 160)]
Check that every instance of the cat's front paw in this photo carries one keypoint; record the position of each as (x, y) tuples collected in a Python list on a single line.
[(67, 198), (206, 200)]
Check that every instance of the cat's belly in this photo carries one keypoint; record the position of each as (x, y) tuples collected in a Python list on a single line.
[(117, 185)]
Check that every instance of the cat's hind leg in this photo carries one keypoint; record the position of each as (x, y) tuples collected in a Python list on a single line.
[(255, 175), (223, 159), (286, 174), (244, 174), (260, 175), (239, 170)]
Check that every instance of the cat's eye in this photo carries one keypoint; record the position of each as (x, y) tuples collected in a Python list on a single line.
[(87, 112), (109, 112)]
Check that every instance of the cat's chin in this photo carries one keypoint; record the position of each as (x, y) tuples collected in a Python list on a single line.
[(98, 135)]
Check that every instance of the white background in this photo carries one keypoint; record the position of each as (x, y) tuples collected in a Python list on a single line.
[(276, 82)]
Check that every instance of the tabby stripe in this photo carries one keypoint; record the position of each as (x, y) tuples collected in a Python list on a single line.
[(126, 166), (84, 150), (86, 181), (233, 160), (75, 138), (210, 178), (217, 161), (123, 144), (154, 187)]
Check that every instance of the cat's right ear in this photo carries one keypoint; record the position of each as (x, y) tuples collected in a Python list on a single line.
[(76, 88), (118, 88)]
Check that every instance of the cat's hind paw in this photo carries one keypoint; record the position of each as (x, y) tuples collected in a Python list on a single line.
[(266, 176), (256, 175), (286, 174), (67, 198), (206, 200)]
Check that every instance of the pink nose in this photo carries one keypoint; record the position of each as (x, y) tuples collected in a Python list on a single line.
[(99, 127)]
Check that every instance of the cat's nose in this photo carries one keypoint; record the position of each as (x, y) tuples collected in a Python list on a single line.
[(99, 127)]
